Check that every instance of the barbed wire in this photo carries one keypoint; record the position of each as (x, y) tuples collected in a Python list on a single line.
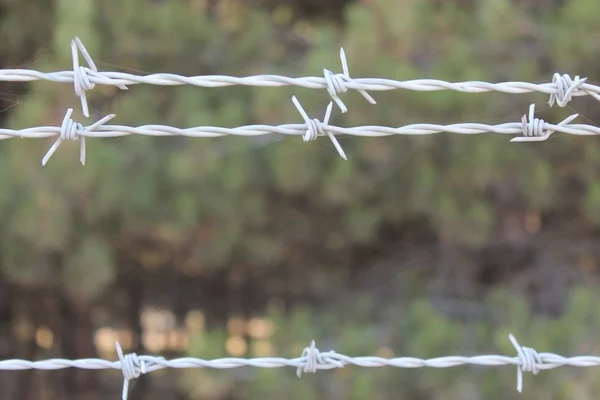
[(530, 129), (561, 90), (311, 361)]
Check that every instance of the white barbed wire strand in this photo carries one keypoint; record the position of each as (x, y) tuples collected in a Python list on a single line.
[(311, 361), (561, 90), (529, 129)]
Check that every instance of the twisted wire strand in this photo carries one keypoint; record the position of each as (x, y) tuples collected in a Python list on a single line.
[(110, 131), (561, 90), (529, 129), (548, 361), (308, 82), (311, 361), (544, 361)]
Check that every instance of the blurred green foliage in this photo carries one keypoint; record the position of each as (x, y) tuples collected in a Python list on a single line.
[(176, 183), (284, 219)]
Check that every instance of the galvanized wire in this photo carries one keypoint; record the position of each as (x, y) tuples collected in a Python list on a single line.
[(311, 361), (561, 90), (529, 129)]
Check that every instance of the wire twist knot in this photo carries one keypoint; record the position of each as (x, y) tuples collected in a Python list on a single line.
[(70, 130), (336, 84), (529, 361), (533, 126), (133, 367), (316, 128), (565, 88), (313, 359), (534, 129), (82, 81)]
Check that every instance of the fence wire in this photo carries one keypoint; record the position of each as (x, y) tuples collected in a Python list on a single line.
[(529, 129), (561, 89), (311, 361)]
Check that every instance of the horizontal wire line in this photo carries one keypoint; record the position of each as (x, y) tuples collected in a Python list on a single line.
[(548, 361), (309, 82), (529, 129), (311, 361), (561, 89), (109, 131)]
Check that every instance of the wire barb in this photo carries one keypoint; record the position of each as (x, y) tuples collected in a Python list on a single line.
[(565, 88), (534, 129), (314, 359), (81, 80), (81, 75), (70, 130), (316, 128), (133, 366), (336, 83), (530, 361)]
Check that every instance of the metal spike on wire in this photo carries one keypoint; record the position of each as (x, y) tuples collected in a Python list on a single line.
[(81, 79), (337, 83), (536, 130), (311, 361), (71, 130), (316, 128)]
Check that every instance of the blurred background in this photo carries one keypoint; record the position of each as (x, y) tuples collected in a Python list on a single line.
[(251, 247)]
